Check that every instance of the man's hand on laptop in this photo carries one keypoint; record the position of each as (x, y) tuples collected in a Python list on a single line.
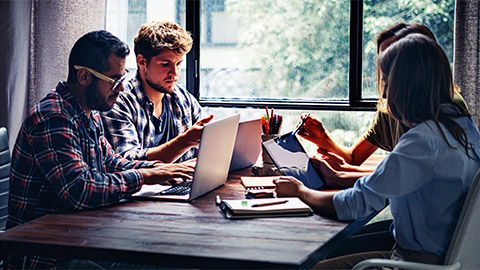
[(162, 172), (174, 181), (194, 133)]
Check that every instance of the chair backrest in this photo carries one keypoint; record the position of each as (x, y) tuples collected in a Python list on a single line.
[(4, 176), (466, 238)]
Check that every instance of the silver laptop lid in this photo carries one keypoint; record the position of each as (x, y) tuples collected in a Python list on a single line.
[(248, 144), (214, 155), (211, 169)]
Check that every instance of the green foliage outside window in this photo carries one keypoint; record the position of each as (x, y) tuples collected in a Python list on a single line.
[(438, 15), (303, 45), (301, 48)]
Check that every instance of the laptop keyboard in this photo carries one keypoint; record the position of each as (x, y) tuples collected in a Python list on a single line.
[(182, 189)]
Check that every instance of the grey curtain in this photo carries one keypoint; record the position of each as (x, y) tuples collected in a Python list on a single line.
[(467, 53), (36, 38)]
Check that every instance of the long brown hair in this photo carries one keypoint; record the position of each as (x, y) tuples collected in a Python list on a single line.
[(393, 33), (419, 80)]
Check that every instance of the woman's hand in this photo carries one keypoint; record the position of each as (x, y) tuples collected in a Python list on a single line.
[(289, 186), (339, 164), (314, 131), (337, 178)]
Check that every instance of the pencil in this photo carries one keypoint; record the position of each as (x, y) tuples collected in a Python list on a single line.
[(269, 203)]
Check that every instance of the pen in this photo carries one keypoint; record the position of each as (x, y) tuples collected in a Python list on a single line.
[(301, 125), (269, 203), (271, 117)]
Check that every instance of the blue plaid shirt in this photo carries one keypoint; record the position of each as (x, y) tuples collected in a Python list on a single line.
[(130, 128), (61, 162)]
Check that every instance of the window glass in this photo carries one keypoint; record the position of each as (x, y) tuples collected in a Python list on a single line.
[(438, 15), (125, 17), (275, 49), (281, 49)]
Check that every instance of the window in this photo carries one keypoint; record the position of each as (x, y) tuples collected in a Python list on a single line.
[(438, 15), (288, 54), (125, 17), (298, 56)]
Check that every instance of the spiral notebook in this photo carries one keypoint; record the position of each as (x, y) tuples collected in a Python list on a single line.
[(256, 208)]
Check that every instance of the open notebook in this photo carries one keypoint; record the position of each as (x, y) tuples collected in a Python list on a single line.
[(213, 161)]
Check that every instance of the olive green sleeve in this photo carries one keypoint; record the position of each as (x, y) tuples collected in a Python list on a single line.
[(384, 131)]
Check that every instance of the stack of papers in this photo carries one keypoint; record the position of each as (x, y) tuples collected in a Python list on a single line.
[(272, 207), (258, 182)]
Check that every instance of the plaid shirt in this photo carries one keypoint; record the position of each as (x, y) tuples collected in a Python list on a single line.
[(129, 127), (61, 162)]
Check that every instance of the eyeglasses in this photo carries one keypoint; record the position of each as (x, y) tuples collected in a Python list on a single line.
[(105, 78)]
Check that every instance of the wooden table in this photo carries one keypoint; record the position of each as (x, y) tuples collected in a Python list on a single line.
[(190, 235)]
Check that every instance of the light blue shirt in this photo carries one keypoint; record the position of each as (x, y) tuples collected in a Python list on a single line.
[(426, 182)]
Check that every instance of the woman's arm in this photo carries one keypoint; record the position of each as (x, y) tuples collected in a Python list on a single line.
[(314, 131), (288, 186)]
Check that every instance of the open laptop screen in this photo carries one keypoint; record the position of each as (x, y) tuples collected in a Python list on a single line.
[(248, 144)]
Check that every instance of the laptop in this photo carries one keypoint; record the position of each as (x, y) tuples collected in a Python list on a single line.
[(211, 169), (291, 159), (248, 144)]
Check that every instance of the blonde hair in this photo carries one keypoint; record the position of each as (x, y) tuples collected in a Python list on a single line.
[(155, 37)]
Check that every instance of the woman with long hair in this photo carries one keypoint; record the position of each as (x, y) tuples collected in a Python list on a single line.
[(337, 162), (427, 175)]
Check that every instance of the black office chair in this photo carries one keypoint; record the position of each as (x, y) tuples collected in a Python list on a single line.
[(4, 176), (4, 182)]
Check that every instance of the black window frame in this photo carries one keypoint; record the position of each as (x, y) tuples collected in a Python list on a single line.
[(355, 101)]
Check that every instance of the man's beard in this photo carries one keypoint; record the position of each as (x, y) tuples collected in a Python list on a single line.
[(95, 101), (158, 87)]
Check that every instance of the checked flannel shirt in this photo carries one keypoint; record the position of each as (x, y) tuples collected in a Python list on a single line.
[(61, 162), (129, 126)]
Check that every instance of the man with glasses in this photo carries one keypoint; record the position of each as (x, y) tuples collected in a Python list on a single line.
[(61, 161), (155, 118)]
